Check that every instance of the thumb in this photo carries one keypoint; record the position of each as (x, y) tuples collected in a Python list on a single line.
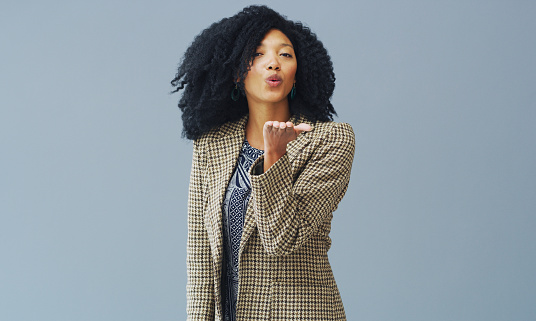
[(302, 128)]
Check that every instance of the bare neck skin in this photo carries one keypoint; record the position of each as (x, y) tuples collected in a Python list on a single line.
[(259, 114)]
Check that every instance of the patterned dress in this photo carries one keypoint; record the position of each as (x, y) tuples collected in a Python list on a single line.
[(234, 211)]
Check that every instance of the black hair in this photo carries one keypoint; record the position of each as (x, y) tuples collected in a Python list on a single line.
[(223, 53)]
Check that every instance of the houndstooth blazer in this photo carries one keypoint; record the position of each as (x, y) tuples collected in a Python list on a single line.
[(284, 272)]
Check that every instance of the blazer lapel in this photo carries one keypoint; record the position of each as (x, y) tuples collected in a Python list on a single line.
[(223, 156)]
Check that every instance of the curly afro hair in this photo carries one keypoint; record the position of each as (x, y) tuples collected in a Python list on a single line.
[(224, 52)]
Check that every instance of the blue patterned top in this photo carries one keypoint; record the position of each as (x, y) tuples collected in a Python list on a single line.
[(234, 211)]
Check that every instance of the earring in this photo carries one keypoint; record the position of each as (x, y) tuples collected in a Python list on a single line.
[(293, 91), (235, 94)]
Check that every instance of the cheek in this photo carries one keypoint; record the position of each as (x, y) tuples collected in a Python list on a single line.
[(253, 83), (292, 71), (253, 74)]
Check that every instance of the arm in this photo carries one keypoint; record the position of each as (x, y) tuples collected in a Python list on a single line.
[(288, 211), (200, 287)]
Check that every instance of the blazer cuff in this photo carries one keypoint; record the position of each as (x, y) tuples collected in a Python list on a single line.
[(257, 168), (268, 186)]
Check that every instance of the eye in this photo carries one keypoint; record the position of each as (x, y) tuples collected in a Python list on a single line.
[(286, 55), (257, 54)]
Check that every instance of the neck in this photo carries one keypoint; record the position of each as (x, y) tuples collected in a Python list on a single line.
[(260, 114)]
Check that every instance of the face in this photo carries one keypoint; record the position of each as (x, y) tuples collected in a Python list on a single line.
[(273, 70)]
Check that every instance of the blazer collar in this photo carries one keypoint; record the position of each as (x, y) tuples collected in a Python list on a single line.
[(223, 154)]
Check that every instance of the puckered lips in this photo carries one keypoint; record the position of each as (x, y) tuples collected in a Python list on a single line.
[(274, 80)]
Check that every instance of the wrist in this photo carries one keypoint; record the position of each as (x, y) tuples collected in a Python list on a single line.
[(271, 157)]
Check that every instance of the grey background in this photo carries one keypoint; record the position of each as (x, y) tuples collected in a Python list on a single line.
[(438, 221)]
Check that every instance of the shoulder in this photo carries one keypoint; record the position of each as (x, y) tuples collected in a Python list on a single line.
[(230, 128), (333, 132), (202, 141), (335, 128), (334, 141), (325, 129), (211, 137)]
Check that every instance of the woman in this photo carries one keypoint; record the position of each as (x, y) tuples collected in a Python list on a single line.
[(262, 189)]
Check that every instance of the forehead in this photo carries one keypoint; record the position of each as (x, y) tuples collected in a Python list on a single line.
[(275, 37)]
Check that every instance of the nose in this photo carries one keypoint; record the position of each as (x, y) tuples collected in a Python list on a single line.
[(273, 64), (272, 67)]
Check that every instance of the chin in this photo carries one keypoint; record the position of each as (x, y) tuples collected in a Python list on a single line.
[(275, 98), (270, 98)]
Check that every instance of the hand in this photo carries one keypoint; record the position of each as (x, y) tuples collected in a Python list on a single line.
[(276, 137)]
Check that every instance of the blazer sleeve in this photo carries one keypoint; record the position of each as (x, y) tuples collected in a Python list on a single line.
[(200, 286), (288, 211)]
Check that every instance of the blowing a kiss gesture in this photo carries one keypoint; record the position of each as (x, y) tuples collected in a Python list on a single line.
[(276, 137)]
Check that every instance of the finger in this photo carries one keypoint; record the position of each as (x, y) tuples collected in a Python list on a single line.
[(276, 124), (268, 127), (290, 127), (302, 128), (282, 125)]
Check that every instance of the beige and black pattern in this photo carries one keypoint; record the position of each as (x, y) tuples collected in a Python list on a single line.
[(283, 264)]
